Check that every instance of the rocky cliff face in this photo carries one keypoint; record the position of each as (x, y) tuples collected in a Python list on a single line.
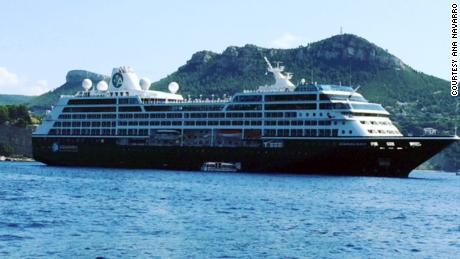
[(339, 59), (77, 76), (337, 50), (354, 49), (72, 85)]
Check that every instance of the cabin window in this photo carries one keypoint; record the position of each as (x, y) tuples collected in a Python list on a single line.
[(367, 106), (244, 107), (235, 115), (248, 98), (283, 123), (329, 106), (284, 98), (252, 114), (297, 123), (293, 106), (92, 101), (274, 114), (335, 132), (198, 115), (195, 107), (174, 115), (88, 109)]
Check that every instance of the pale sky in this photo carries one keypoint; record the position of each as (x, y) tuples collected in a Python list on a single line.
[(41, 40)]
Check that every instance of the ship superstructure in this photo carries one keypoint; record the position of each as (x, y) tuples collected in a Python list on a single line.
[(276, 128)]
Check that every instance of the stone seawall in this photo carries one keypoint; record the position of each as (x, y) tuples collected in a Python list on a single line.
[(19, 138)]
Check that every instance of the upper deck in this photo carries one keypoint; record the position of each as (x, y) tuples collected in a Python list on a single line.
[(127, 107)]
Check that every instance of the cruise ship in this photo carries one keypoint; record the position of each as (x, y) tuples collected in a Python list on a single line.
[(306, 128)]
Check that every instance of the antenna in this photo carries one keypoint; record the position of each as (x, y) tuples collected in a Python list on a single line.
[(341, 30), (354, 91), (268, 63)]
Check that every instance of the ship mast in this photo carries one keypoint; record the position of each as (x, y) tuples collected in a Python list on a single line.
[(282, 81)]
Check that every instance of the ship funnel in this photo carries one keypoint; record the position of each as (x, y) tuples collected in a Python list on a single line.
[(124, 79)]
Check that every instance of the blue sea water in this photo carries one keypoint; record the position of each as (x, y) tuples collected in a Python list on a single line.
[(58, 212)]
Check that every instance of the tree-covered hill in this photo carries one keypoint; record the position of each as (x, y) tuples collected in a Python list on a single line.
[(343, 59), (7, 99)]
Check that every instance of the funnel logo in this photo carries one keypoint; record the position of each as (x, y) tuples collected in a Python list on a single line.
[(55, 147), (117, 80)]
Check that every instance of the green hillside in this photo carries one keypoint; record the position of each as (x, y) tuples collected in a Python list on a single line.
[(342, 59), (8, 99)]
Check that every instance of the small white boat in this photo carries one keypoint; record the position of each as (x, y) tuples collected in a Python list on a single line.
[(220, 167)]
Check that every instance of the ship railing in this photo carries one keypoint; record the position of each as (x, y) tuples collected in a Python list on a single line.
[(189, 101), (87, 94), (268, 90)]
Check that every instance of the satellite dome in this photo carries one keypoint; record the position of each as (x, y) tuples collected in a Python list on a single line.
[(173, 87), (102, 86), (86, 84), (145, 83)]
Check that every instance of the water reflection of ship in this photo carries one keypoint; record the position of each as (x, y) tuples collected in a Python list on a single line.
[(220, 167)]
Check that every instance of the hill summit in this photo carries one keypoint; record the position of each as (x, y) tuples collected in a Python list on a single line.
[(72, 85)]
